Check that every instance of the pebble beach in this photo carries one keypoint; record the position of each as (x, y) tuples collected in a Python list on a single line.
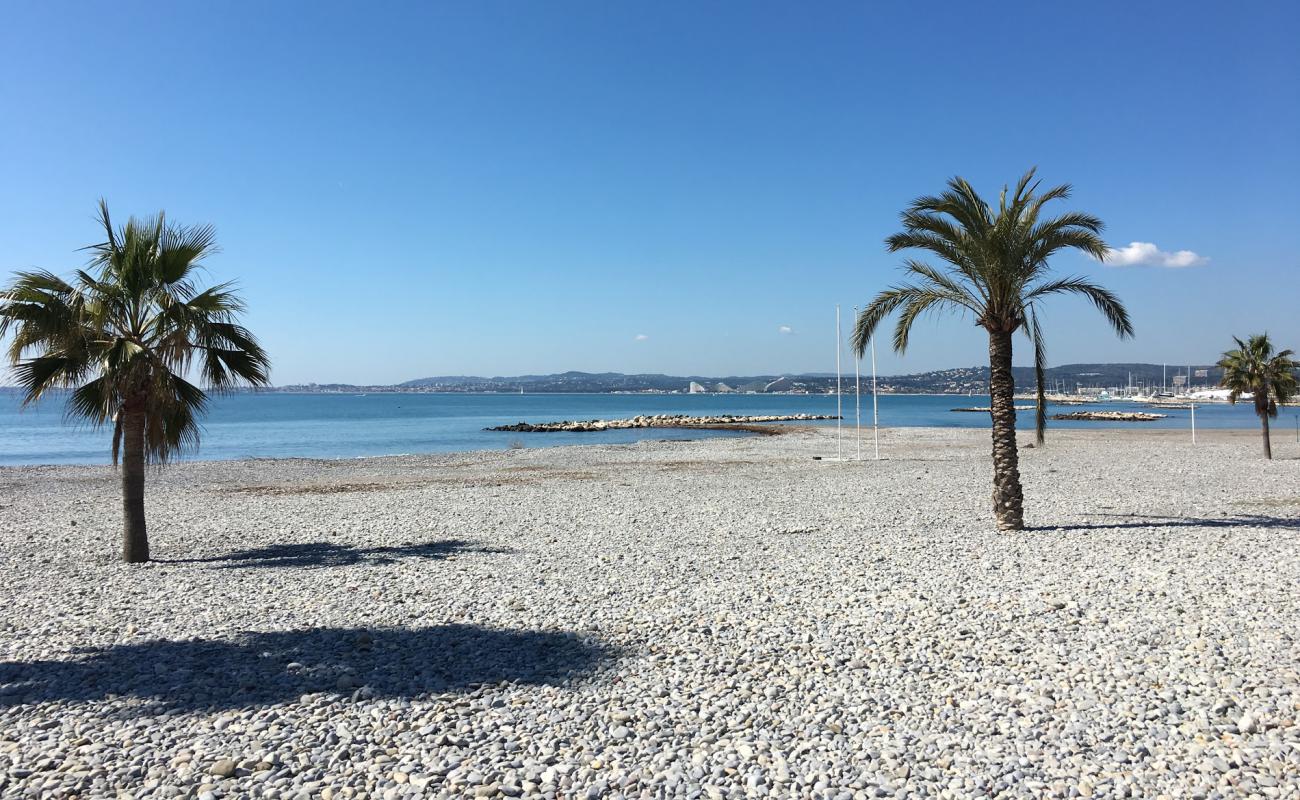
[(723, 618)]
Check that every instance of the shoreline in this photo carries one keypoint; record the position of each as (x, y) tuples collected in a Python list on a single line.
[(342, 427), (1101, 429)]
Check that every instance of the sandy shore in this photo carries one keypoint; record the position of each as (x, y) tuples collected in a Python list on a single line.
[(721, 618)]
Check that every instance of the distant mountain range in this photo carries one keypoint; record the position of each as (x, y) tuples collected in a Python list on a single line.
[(1068, 377)]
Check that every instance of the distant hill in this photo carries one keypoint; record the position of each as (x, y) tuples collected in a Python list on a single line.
[(604, 382), (1068, 377)]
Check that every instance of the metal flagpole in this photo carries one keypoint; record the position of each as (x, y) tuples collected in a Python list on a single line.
[(1193, 423), (875, 407), (857, 394), (839, 395)]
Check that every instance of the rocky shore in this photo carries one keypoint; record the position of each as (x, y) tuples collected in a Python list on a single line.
[(723, 618), (656, 421), (1110, 416)]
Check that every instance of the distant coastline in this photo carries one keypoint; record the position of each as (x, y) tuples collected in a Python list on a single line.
[(1067, 378)]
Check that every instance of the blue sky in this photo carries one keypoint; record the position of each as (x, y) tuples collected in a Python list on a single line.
[(409, 189)]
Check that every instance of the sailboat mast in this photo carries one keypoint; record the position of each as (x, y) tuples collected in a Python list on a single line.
[(857, 395), (875, 408), (839, 395)]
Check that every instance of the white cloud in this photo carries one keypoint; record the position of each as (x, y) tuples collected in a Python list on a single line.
[(785, 330), (1147, 254), (640, 337)]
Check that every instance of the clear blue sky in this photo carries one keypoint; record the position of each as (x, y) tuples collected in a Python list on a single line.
[(410, 189)]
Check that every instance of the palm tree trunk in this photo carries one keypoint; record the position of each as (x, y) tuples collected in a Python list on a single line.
[(135, 544), (1008, 498), (1268, 446)]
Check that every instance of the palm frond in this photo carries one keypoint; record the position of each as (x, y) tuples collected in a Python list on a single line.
[(1032, 205), (94, 401), (953, 289), (182, 249), (37, 376), (171, 417), (1049, 238), (927, 300), (869, 318), (1105, 300)]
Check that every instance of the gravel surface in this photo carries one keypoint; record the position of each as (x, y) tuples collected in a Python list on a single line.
[(722, 618)]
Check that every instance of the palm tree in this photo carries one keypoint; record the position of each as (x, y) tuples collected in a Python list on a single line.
[(1253, 368), (996, 271), (123, 336)]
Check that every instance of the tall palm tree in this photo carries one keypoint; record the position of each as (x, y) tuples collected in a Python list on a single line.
[(1253, 368), (123, 335), (995, 270)]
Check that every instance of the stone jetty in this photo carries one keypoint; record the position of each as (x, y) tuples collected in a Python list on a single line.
[(656, 421), (1110, 416), (986, 409)]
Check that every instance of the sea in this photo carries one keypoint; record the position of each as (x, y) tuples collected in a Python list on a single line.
[(284, 425)]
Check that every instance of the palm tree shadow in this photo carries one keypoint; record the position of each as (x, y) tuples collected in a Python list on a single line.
[(266, 668), (1146, 521), (333, 554)]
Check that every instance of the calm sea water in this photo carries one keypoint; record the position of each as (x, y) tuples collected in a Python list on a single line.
[(274, 425)]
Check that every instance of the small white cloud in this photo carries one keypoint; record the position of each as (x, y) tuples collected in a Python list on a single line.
[(1146, 254), (640, 337), (785, 330)]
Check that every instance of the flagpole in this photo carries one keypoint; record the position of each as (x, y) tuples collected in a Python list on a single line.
[(875, 407), (857, 393), (839, 395)]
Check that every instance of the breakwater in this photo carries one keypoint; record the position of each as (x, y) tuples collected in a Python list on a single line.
[(655, 421), (1110, 416)]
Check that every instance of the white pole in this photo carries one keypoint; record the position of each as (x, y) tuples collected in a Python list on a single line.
[(857, 394), (875, 407), (839, 395), (1193, 423)]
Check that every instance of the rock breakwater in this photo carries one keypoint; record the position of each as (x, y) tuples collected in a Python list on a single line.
[(1110, 416), (655, 421), (986, 409)]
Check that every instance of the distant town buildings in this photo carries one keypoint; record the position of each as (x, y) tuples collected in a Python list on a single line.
[(1065, 380)]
